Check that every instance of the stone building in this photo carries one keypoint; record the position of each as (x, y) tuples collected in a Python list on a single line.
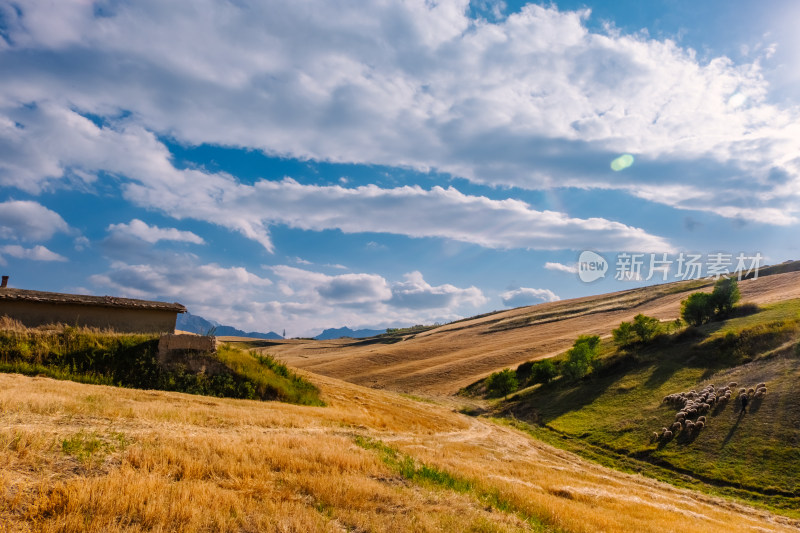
[(127, 315)]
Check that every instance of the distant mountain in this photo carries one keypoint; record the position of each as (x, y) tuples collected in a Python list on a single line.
[(336, 333), (197, 324)]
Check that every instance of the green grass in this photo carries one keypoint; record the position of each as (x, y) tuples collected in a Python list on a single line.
[(433, 477), (89, 447), (269, 377), (130, 360), (610, 417)]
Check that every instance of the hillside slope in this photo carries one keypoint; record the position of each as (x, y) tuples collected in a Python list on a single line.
[(77, 457), (617, 414), (447, 358)]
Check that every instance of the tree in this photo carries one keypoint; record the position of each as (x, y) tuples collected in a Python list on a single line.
[(725, 295), (579, 358), (646, 327), (697, 309), (623, 335), (502, 383), (532, 372), (543, 371)]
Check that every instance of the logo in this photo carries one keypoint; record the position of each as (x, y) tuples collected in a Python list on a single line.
[(591, 266)]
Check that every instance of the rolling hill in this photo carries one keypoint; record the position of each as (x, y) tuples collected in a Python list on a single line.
[(442, 360), (78, 457)]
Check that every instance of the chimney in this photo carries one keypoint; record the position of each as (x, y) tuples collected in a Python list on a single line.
[(4, 283)]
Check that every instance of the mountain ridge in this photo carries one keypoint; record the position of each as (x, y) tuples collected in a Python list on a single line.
[(197, 324)]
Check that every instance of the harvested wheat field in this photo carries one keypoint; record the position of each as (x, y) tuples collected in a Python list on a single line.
[(445, 359), (80, 457)]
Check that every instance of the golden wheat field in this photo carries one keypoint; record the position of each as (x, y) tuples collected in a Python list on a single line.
[(443, 360), (77, 457)]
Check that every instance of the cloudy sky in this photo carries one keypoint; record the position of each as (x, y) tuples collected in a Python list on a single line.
[(313, 164)]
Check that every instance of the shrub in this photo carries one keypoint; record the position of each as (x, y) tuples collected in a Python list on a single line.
[(725, 295), (544, 371), (502, 383), (624, 334), (697, 309), (532, 372), (646, 327), (701, 307), (581, 356)]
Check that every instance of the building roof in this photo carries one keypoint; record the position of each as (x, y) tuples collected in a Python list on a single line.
[(9, 294)]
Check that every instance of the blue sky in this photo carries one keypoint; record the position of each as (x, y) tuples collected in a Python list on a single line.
[(304, 165)]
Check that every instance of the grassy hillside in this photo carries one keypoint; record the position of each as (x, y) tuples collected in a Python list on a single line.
[(77, 457), (442, 360), (130, 360), (611, 416)]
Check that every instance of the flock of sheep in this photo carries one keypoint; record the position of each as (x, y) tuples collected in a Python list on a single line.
[(694, 405)]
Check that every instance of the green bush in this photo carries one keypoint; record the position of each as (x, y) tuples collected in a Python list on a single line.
[(697, 309), (532, 372), (624, 334), (700, 307), (646, 327), (725, 295), (543, 371), (580, 357), (502, 383)]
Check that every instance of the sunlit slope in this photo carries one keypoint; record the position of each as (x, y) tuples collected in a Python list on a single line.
[(77, 457), (445, 359)]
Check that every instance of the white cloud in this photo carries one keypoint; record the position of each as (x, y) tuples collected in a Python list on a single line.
[(527, 296), (29, 221), (302, 301), (153, 234), (416, 293), (359, 289), (250, 209), (571, 269), (211, 290), (36, 253), (411, 84)]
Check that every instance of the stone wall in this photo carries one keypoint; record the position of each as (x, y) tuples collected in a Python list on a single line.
[(124, 320), (195, 343), (192, 352)]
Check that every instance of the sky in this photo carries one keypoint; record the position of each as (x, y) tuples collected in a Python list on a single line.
[(314, 164)]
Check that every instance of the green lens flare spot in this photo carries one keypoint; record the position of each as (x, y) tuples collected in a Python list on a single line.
[(622, 162)]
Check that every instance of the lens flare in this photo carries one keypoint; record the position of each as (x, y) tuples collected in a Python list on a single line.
[(622, 162)]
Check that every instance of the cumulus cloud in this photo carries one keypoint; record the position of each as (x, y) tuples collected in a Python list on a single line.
[(152, 234), (415, 293), (358, 299), (36, 253), (29, 221), (510, 101), (300, 300), (219, 198), (571, 269), (527, 296), (205, 287)]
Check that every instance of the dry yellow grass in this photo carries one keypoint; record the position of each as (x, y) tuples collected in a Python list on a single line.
[(79, 457), (443, 360)]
